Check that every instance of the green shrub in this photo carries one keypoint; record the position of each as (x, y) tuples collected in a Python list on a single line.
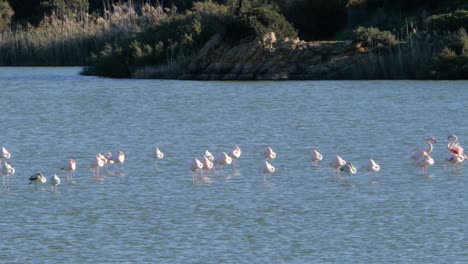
[(374, 36), (449, 65), (261, 20), (6, 12), (448, 22)]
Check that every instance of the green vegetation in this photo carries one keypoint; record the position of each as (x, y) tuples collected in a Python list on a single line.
[(6, 12), (116, 38)]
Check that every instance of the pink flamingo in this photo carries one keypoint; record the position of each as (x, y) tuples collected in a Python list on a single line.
[(97, 163), (454, 147), (424, 162), (69, 167), (235, 154), (195, 166), (417, 154), (316, 158), (207, 166), (221, 160), (336, 164), (455, 159)]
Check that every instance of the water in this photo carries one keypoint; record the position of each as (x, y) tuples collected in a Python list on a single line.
[(155, 214)]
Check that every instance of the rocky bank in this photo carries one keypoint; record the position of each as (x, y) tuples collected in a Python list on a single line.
[(286, 60)]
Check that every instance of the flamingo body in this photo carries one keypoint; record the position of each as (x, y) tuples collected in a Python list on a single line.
[(158, 154), (37, 178), (69, 167), (269, 153), (5, 154), (348, 168), (316, 157), (54, 181)]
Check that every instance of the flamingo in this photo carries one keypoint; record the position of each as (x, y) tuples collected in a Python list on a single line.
[(372, 167), (54, 181), (348, 168), (37, 177), (7, 171), (69, 167), (195, 166), (336, 164), (268, 168), (454, 147), (4, 154), (455, 159), (209, 155), (417, 154), (235, 154), (97, 163), (221, 160), (269, 153), (158, 154), (116, 158), (424, 162), (316, 158), (207, 166)]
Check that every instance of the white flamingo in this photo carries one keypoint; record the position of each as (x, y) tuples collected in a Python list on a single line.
[(424, 162), (37, 178), (4, 154), (54, 181), (117, 158), (209, 155), (316, 158), (235, 154), (372, 167), (268, 168), (417, 154), (195, 166), (348, 168), (158, 154), (221, 160), (336, 164), (69, 167), (7, 171), (269, 153)]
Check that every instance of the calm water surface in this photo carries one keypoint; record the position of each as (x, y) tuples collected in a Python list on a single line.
[(155, 214)]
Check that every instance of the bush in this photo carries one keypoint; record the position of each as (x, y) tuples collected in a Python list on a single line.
[(6, 12), (262, 20), (373, 36), (448, 22), (449, 65)]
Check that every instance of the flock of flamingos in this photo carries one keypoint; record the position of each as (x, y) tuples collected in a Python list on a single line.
[(201, 167)]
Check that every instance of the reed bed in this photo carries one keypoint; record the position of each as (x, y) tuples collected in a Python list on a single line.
[(68, 41)]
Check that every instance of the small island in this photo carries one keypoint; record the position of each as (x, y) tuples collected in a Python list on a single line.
[(240, 39)]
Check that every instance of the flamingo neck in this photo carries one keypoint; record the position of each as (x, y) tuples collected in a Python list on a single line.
[(429, 151)]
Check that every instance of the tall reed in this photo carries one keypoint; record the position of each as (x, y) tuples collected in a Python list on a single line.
[(69, 41)]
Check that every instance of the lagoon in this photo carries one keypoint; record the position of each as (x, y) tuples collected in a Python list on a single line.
[(300, 214)]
